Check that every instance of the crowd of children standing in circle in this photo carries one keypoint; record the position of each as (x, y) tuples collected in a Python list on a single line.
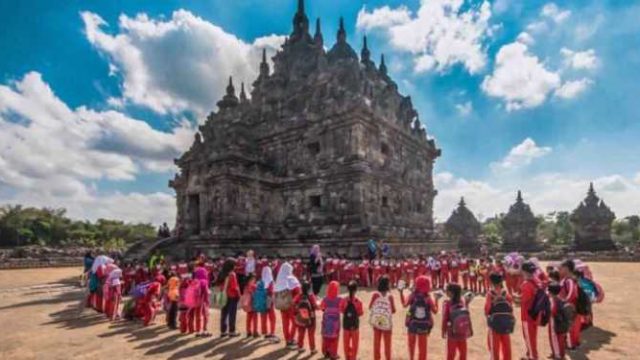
[(558, 297)]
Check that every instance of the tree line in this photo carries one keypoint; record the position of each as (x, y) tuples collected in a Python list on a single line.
[(20, 226), (555, 229)]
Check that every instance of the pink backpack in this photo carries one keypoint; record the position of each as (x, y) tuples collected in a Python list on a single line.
[(193, 294)]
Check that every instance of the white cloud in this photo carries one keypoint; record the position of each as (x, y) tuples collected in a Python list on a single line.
[(178, 64), (383, 17), (50, 151), (519, 78), (573, 88), (553, 12), (637, 178), (441, 34), (521, 155), (465, 108), (525, 38), (580, 60)]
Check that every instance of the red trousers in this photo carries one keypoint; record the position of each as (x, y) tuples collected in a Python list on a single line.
[(385, 336), (311, 335), (149, 312), (456, 346), (444, 278), (351, 340), (252, 323), (113, 302), (465, 281), (198, 319), (330, 347), (574, 332), (434, 279), (288, 325), (184, 320), (558, 342), (473, 280), (499, 344), (530, 332), (455, 278), (270, 318), (421, 341)]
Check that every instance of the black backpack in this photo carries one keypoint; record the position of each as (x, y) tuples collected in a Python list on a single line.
[(500, 318), (565, 315), (540, 307), (583, 305), (350, 319)]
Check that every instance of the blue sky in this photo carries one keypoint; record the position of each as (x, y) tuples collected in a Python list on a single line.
[(98, 97)]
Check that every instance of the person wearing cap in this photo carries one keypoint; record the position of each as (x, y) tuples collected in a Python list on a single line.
[(528, 290)]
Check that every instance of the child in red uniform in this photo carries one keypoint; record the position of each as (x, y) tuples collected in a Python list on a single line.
[(569, 294), (529, 325), (246, 302), (419, 320), (352, 309), (331, 321), (444, 271), (286, 282), (150, 303), (183, 310), (306, 305), (363, 270), (454, 270), (557, 336), (382, 309), (498, 308), (464, 272), (201, 312), (456, 343)]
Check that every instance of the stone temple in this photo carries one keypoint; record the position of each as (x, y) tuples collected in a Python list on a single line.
[(463, 227), (519, 228), (325, 150), (592, 221)]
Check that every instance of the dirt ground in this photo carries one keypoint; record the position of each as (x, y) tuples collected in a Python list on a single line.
[(38, 313)]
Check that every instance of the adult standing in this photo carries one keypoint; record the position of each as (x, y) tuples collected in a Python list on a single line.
[(250, 264), (372, 249), (316, 266)]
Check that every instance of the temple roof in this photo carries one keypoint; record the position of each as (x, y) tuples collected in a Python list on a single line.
[(462, 217), (592, 208), (519, 213)]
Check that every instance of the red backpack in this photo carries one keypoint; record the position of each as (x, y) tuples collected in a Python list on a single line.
[(459, 323)]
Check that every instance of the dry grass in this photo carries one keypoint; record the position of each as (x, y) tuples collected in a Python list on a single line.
[(39, 323)]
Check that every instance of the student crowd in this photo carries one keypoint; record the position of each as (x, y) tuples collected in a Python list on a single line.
[(558, 297)]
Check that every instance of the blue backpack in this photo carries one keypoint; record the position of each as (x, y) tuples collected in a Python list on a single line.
[(331, 319), (259, 299), (589, 288), (94, 282), (541, 307), (140, 290)]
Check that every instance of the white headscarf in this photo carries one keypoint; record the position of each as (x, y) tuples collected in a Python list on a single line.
[(99, 261), (114, 277), (285, 279), (267, 276)]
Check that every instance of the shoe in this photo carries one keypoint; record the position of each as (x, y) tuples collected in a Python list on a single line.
[(314, 351), (249, 335), (224, 335), (234, 334), (256, 335), (300, 349)]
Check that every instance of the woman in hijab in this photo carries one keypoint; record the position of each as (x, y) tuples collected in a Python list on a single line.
[(268, 316), (316, 264), (287, 287), (97, 280)]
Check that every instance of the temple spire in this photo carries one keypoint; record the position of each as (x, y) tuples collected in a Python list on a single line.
[(383, 66), (365, 54), (342, 33), (317, 38), (300, 23), (231, 90), (591, 190), (462, 203), (243, 94), (264, 66), (519, 197)]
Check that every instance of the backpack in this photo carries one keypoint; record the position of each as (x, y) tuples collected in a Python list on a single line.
[(350, 319), (380, 315), (459, 323), (140, 290), (246, 302), (305, 313), (590, 288), (419, 320), (501, 319), (259, 299), (94, 282), (283, 300), (193, 294), (218, 298), (540, 307), (565, 315), (583, 304), (331, 319)]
